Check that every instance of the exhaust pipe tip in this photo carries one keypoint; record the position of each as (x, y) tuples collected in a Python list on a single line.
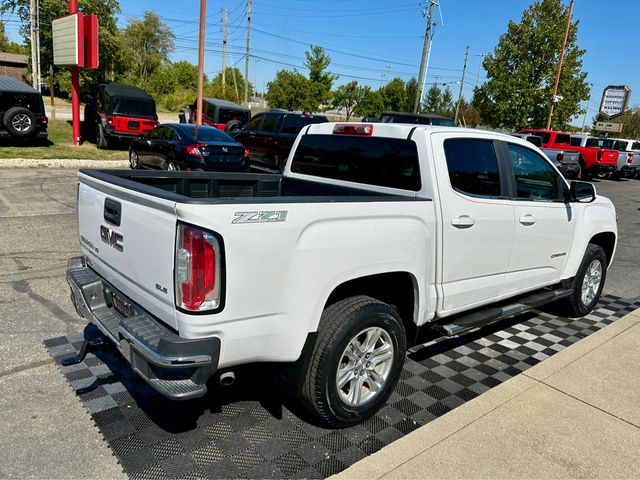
[(227, 379)]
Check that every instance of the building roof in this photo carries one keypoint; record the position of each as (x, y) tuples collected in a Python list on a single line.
[(13, 58), (10, 84), (122, 90)]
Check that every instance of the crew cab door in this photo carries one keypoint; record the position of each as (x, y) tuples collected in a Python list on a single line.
[(477, 219), (544, 223)]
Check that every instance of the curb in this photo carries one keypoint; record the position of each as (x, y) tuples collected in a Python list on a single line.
[(69, 163)]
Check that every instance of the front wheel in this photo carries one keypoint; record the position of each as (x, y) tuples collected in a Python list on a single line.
[(588, 283), (356, 361)]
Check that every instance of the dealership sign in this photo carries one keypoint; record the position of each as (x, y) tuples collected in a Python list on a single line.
[(615, 99), (609, 127)]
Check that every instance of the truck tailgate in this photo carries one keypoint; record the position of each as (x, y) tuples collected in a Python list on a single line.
[(129, 239)]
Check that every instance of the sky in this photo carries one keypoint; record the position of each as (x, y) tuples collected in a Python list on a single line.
[(373, 41)]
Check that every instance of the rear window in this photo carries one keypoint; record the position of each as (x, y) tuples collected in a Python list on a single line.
[(32, 102), (593, 143), (444, 122), (225, 115), (385, 162), (544, 135), (132, 106), (576, 141), (635, 146), (536, 140), (206, 134), (563, 138), (294, 123)]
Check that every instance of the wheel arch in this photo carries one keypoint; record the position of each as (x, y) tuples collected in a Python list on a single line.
[(398, 289), (606, 240)]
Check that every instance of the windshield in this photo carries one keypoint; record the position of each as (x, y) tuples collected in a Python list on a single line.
[(386, 162), (417, 119), (593, 143), (576, 141), (536, 140), (133, 107), (563, 138), (544, 135)]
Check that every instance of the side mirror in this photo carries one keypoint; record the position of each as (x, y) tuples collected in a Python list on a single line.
[(582, 192)]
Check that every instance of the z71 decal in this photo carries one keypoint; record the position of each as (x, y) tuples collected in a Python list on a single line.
[(261, 217)]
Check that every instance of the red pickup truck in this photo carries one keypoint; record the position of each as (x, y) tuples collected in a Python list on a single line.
[(593, 160)]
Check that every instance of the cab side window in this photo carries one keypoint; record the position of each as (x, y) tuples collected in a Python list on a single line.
[(473, 166), (535, 178), (254, 123), (156, 134), (269, 124)]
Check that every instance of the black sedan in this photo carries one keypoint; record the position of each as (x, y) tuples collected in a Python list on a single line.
[(180, 146)]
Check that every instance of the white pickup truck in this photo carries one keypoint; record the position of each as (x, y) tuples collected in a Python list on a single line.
[(376, 238)]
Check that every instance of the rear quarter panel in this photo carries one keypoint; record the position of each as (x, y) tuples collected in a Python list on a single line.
[(279, 275)]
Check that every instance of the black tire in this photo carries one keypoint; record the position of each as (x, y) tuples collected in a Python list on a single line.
[(232, 126), (341, 324), (574, 305), (102, 141), (20, 122), (134, 160)]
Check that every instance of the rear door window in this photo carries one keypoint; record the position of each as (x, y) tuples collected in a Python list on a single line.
[(385, 162), (473, 166), (210, 112), (255, 122)]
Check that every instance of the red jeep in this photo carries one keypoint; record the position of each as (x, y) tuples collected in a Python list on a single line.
[(120, 112), (593, 159), (222, 114)]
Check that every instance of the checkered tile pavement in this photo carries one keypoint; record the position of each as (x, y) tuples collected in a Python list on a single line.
[(242, 432)]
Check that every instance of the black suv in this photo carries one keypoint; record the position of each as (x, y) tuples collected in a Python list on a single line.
[(22, 113), (269, 136), (416, 118)]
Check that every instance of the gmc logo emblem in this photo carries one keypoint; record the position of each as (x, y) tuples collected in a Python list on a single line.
[(111, 238)]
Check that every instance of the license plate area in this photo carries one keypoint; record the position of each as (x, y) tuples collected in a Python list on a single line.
[(123, 308)]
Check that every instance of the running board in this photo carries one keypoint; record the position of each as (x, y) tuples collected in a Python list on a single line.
[(480, 318)]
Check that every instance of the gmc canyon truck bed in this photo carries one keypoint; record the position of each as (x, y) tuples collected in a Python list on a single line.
[(375, 238)]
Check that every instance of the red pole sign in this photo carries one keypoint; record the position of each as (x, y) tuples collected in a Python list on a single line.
[(75, 88)]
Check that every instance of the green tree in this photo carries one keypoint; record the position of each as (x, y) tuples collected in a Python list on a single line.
[(320, 81), (522, 69), (371, 104), (447, 106), (234, 86), (8, 46), (411, 91), (348, 96), (469, 115), (112, 61), (147, 43), (394, 95), (289, 90), (433, 101)]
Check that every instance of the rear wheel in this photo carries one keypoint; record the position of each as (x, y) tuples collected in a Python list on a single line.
[(588, 283), (20, 122), (356, 361), (102, 141), (173, 166), (134, 161)]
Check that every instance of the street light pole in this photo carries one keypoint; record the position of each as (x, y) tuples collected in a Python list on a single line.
[(203, 13), (555, 87)]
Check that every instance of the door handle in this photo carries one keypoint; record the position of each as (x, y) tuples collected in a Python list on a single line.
[(463, 221), (527, 219)]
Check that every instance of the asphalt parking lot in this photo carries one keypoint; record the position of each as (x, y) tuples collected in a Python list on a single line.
[(44, 429)]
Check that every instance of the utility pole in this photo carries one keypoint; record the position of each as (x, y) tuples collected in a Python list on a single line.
[(425, 47), (481, 55), (34, 45), (246, 55), (555, 87), (39, 73), (203, 14), (224, 49), (464, 69)]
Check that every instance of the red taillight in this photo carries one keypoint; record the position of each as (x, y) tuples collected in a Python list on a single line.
[(195, 150), (247, 153), (197, 270), (365, 129), (560, 157), (629, 158), (109, 120), (44, 120)]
